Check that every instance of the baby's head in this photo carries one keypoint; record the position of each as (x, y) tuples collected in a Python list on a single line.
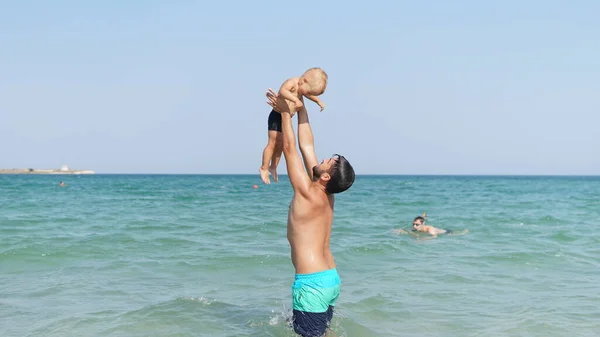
[(313, 82)]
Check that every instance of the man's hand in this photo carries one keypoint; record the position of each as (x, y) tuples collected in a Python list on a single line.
[(298, 105), (272, 99), (278, 103)]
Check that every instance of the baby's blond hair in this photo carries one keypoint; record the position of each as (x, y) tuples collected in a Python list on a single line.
[(316, 80)]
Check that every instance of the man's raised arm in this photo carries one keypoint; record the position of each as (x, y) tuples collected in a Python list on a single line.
[(298, 178), (307, 142)]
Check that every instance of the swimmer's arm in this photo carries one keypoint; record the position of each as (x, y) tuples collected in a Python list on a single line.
[(288, 91), (307, 142), (316, 100), (298, 177)]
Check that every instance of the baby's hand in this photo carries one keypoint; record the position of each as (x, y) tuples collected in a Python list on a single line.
[(322, 105)]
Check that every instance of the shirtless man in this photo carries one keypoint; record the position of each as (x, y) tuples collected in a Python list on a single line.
[(420, 226), (317, 284)]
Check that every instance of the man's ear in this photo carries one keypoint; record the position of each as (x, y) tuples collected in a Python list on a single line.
[(325, 176)]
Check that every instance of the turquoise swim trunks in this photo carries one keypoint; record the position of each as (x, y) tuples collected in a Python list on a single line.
[(313, 299)]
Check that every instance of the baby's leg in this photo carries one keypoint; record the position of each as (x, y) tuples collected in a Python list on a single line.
[(276, 156), (274, 126), (267, 155)]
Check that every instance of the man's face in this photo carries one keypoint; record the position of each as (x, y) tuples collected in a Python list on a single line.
[(324, 167), (417, 223)]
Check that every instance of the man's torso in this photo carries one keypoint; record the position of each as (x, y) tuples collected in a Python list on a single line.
[(433, 230), (309, 232)]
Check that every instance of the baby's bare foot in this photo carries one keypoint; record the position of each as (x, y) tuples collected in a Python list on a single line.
[(264, 175)]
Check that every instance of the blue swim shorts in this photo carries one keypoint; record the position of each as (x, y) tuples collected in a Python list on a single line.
[(313, 299)]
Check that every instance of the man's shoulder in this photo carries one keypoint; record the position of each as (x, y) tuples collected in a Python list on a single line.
[(303, 205), (321, 199), (314, 196)]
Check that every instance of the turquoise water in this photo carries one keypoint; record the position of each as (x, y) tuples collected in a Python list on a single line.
[(143, 255)]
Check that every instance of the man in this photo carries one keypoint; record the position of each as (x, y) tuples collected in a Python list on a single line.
[(420, 226), (317, 283)]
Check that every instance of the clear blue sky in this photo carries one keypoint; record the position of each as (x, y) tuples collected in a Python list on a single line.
[(415, 87)]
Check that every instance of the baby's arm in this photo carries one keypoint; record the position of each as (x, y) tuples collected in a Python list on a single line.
[(288, 91), (316, 100)]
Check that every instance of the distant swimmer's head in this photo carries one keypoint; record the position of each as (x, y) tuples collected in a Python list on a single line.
[(417, 222), (335, 173), (313, 82)]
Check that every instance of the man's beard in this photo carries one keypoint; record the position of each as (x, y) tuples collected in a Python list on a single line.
[(316, 173)]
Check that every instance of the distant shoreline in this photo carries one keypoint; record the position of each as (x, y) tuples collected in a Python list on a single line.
[(44, 171)]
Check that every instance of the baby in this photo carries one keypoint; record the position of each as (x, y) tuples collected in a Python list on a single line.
[(310, 85)]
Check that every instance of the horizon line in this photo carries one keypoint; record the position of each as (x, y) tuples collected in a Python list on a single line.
[(368, 174)]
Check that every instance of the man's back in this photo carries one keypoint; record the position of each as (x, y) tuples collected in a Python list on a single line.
[(431, 230), (309, 231)]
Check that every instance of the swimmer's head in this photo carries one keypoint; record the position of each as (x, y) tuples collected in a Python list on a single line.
[(418, 221), (335, 173), (313, 82)]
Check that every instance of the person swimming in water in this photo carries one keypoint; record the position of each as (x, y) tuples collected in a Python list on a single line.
[(420, 226)]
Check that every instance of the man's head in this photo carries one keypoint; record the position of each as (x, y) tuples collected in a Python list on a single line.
[(335, 173), (313, 82), (418, 221)]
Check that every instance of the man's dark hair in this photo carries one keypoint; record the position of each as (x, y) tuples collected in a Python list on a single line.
[(342, 176), (419, 218)]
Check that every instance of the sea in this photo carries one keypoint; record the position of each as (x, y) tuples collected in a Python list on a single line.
[(207, 255)]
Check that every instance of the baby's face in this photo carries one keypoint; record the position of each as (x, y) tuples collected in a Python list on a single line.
[(303, 88)]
